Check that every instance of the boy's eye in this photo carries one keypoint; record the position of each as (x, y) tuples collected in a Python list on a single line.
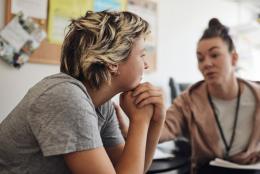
[(200, 59)]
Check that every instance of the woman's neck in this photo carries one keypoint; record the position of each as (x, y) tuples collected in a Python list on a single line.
[(227, 90)]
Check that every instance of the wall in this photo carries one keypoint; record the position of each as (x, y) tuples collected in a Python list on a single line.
[(181, 22), (14, 83)]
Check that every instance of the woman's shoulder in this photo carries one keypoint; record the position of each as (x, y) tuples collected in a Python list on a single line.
[(253, 85), (197, 88), (195, 93)]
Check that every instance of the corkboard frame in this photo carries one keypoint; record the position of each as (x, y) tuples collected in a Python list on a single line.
[(47, 53)]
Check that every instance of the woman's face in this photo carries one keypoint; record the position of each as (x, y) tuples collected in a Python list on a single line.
[(131, 70), (215, 62)]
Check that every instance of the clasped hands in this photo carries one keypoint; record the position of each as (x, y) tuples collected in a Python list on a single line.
[(143, 103)]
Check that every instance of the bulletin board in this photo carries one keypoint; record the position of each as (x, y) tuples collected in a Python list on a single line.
[(47, 53), (50, 52)]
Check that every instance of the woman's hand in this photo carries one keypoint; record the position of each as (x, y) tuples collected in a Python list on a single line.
[(146, 94), (133, 112)]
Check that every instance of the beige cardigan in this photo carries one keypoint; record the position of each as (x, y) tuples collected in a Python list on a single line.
[(191, 112)]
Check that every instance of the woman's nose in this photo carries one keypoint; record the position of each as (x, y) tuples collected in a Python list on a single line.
[(207, 62)]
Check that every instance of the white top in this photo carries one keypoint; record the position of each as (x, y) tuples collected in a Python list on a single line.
[(226, 109)]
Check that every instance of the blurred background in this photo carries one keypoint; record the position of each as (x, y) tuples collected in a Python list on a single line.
[(177, 25)]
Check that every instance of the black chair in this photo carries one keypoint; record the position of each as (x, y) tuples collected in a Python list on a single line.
[(176, 88), (178, 164)]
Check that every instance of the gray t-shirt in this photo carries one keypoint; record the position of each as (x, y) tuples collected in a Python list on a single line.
[(55, 117)]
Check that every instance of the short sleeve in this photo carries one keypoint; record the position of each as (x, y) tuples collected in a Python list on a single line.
[(111, 133), (63, 120)]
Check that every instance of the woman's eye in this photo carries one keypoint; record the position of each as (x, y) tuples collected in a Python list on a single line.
[(214, 55)]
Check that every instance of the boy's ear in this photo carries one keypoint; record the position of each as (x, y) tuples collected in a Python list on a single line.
[(113, 68)]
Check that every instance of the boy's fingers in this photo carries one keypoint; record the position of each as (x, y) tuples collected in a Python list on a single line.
[(146, 95), (150, 100), (142, 88)]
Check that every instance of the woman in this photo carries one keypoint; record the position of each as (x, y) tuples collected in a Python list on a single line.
[(66, 123), (220, 114)]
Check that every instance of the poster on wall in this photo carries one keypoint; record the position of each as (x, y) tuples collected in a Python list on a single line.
[(19, 39), (60, 14), (148, 11), (31, 8), (100, 5)]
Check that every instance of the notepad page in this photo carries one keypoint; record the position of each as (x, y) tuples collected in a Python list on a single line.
[(223, 163)]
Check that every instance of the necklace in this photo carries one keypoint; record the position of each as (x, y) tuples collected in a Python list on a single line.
[(227, 145)]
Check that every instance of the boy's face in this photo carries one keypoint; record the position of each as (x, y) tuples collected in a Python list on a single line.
[(131, 70)]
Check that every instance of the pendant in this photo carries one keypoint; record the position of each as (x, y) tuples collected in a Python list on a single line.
[(226, 155)]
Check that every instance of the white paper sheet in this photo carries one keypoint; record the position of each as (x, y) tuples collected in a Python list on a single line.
[(228, 164), (32, 8), (159, 154), (15, 35)]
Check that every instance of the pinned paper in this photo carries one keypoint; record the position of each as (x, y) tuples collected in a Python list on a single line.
[(14, 34), (31, 8), (19, 39)]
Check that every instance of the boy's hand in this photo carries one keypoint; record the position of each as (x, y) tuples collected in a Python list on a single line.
[(146, 94), (133, 112)]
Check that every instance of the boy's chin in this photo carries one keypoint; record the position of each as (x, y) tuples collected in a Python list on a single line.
[(132, 86)]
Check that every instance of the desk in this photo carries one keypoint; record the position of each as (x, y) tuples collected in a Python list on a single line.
[(169, 164), (207, 169), (182, 165)]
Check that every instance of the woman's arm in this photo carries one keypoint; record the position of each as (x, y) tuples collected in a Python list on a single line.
[(175, 124)]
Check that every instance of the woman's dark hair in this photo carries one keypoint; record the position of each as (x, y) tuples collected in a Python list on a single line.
[(216, 29)]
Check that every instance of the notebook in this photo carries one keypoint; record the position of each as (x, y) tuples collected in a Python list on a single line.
[(227, 164), (159, 154)]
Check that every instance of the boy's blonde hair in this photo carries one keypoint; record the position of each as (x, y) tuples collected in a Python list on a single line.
[(98, 40)]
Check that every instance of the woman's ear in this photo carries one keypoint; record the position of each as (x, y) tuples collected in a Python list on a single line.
[(113, 68), (234, 58)]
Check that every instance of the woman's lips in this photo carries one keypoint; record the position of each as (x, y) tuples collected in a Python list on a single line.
[(210, 74)]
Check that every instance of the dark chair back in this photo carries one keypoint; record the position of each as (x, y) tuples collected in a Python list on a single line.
[(176, 88)]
